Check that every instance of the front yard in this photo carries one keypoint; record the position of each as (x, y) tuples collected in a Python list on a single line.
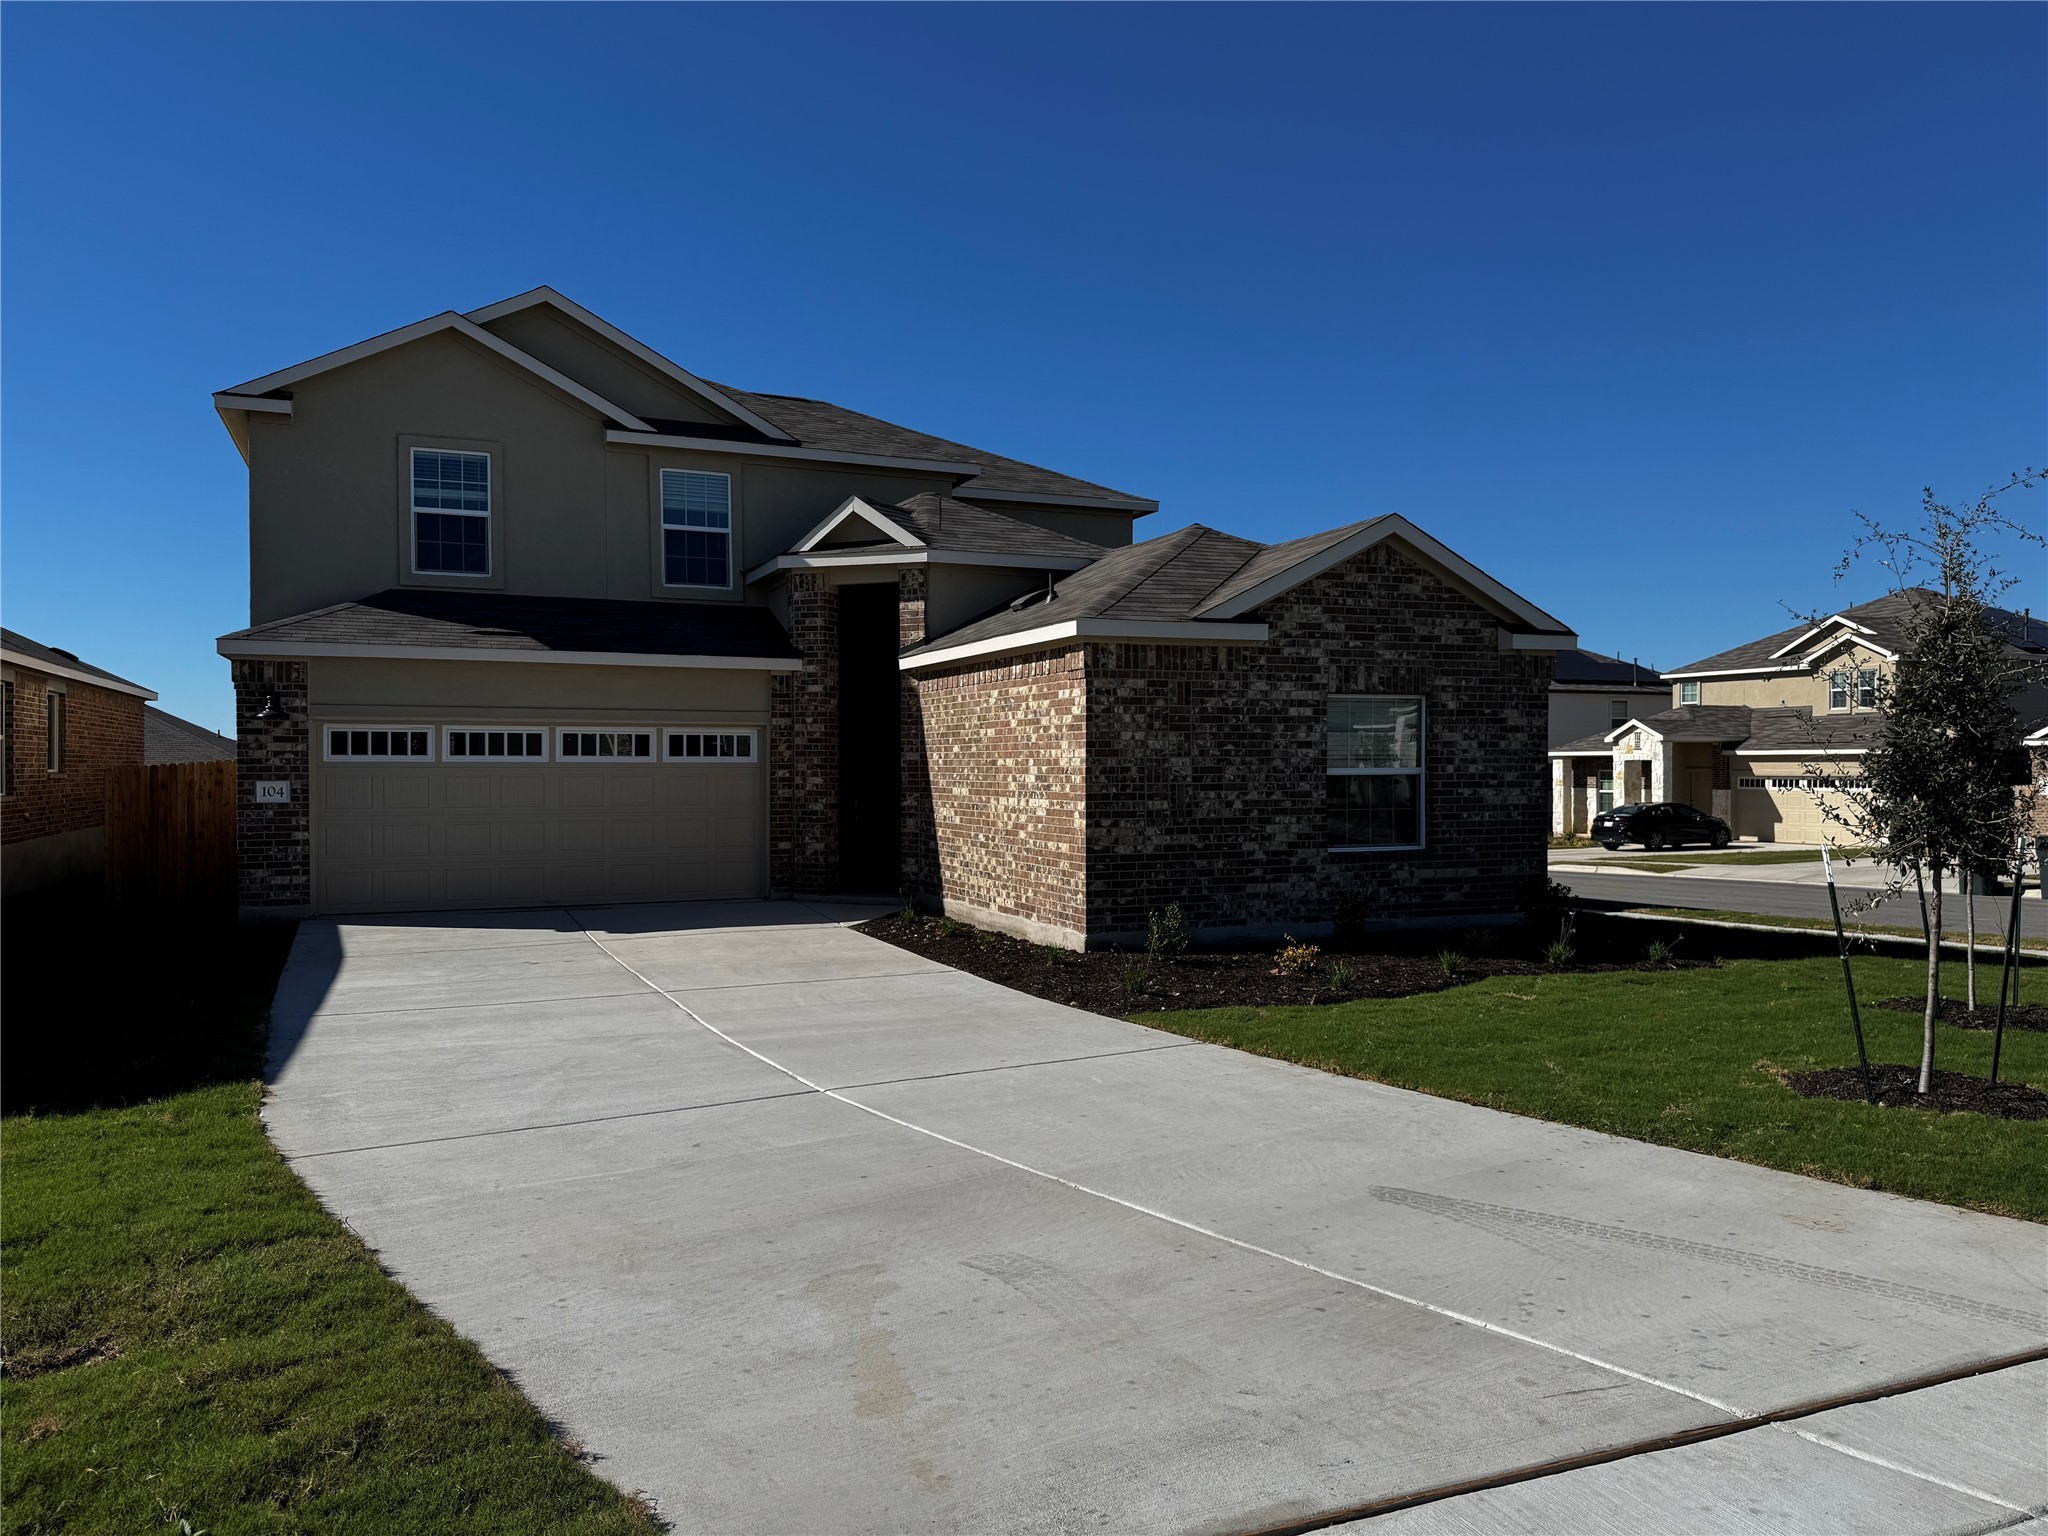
[(191, 1343), (1689, 1054)]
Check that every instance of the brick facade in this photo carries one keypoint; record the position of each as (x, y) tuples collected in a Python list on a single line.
[(273, 843), (1072, 792), (812, 786), (101, 729)]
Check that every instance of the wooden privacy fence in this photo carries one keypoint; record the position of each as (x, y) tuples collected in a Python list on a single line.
[(171, 838)]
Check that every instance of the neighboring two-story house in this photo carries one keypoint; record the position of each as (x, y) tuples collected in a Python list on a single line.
[(540, 618), (1763, 734)]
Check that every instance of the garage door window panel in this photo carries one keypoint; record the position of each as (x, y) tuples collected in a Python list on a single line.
[(494, 745), (734, 748), (605, 746), (378, 743)]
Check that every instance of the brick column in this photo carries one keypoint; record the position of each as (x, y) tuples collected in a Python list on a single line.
[(814, 734), (273, 843), (782, 785), (916, 858)]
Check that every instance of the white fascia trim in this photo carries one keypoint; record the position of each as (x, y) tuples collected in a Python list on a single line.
[(1181, 632), (74, 674), (291, 649), (1634, 725), (649, 438), (1511, 640), (1138, 505), (856, 506), (639, 349), (1817, 752), (1814, 655), (1393, 525), (447, 321), (1734, 672), (1833, 618), (825, 560), (232, 402)]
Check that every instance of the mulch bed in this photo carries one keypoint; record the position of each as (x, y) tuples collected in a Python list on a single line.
[(1952, 1091), (1120, 983), (2029, 1016)]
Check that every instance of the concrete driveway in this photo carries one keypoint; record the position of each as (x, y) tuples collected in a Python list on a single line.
[(799, 1232)]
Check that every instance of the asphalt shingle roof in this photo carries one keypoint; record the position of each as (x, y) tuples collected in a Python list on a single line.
[(1885, 619), (960, 528), (491, 621), (1579, 666), (1272, 559), (168, 739), (820, 424), (1778, 728), (35, 651)]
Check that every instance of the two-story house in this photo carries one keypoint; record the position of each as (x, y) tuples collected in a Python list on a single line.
[(1761, 735), (540, 618)]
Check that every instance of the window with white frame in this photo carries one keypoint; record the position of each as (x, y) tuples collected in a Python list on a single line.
[(707, 746), (1866, 688), (1688, 693), (378, 743), (53, 719), (696, 528), (451, 512), (604, 746), (1838, 690), (1374, 773), (461, 744)]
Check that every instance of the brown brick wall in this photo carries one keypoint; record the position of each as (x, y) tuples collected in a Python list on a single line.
[(273, 843), (101, 728), (995, 789), (1082, 789), (812, 788)]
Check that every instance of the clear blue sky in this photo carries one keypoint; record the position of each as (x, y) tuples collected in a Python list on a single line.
[(1629, 304)]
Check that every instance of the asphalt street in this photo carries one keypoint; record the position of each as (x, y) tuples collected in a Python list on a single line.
[(1777, 899)]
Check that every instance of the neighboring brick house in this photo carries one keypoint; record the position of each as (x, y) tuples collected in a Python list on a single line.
[(66, 723), (1766, 734), (538, 617)]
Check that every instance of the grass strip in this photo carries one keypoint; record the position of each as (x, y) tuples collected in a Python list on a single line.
[(1986, 940), (1686, 1059)]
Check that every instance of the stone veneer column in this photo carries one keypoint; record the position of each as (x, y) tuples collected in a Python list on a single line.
[(273, 843), (814, 734), (913, 829)]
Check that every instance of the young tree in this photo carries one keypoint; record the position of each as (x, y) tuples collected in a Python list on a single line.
[(1937, 791)]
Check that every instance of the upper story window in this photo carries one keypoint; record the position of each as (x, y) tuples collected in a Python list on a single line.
[(55, 722), (696, 529), (1617, 713), (1374, 773), (451, 512), (1853, 690), (1688, 693)]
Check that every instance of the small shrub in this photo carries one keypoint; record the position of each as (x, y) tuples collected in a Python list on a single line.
[(907, 915), (985, 938), (1659, 953), (1339, 976), (1543, 898), (1134, 979), (1451, 963), (1297, 958), (1166, 933), (1349, 924), (948, 927)]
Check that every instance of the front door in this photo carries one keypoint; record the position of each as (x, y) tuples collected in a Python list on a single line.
[(1699, 788)]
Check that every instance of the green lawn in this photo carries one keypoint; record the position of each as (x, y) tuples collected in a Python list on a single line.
[(191, 1341), (1685, 1058)]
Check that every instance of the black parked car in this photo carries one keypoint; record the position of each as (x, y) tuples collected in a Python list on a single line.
[(1664, 825)]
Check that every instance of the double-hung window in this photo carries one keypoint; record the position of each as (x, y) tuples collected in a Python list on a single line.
[(451, 512), (1375, 773), (1688, 693), (696, 529), (1838, 690), (1617, 714), (1866, 688)]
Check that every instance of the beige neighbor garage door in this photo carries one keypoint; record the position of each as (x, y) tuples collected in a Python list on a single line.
[(446, 833)]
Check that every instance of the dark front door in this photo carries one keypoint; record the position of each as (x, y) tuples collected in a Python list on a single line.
[(870, 723)]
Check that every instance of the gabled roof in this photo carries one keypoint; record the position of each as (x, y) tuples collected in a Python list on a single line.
[(1199, 583), (1693, 722), (168, 739), (1880, 624), (492, 626), (249, 395), (1742, 728), (20, 651), (1592, 669), (632, 346), (934, 522)]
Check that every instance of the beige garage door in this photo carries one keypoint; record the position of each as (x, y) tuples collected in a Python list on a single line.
[(449, 834)]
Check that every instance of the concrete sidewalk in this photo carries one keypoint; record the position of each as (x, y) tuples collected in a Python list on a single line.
[(800, 1232)]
